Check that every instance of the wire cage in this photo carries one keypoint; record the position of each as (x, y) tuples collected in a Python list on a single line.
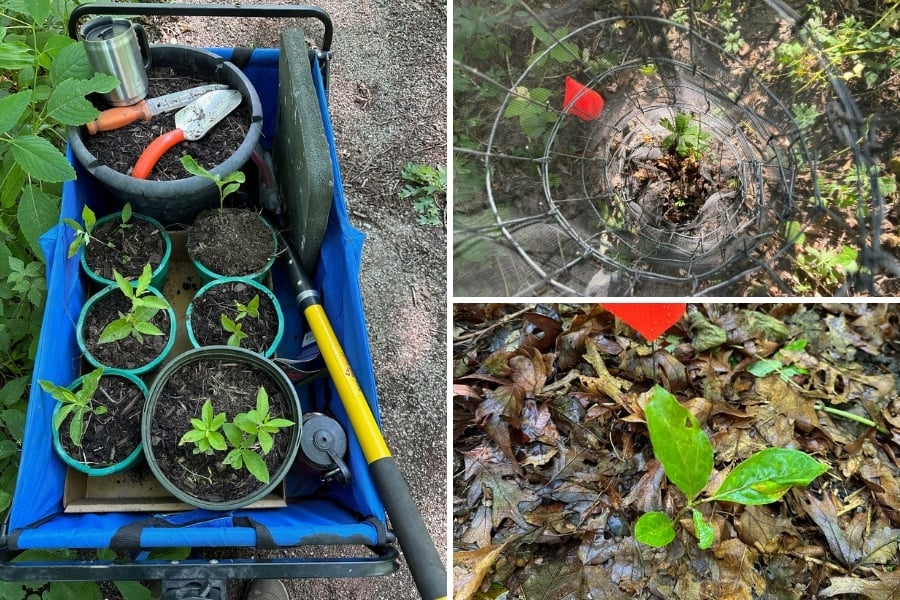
[(617, 149)]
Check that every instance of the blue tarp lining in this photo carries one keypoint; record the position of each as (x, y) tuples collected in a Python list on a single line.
[(348, 515)]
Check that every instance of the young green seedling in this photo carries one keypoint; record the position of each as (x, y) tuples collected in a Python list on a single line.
[(684, 451), (226, 185), (686, 139), (252, 428), (205, 433), (144, 306), (79, 404), (82, 233), (234, 327)]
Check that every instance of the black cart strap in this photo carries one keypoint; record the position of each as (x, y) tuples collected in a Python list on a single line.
[(241, 56)]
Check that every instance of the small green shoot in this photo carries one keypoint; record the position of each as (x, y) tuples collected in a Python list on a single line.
[(686, 139), (245, 435), (226, 185), (427, 188), (766, 366), (82, 233), (234, 327), (734, 42), (686, 455), (79, 404), (205, 433), (144, 306)]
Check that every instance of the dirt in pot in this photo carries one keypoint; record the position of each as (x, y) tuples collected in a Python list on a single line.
[(111, 437), (232, 388), (233, 242), (223, 299), (124, 249), (127, 353), (120, 148)]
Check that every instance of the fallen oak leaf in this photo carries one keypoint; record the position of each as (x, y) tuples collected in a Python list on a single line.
[(887, 587), (470, 568)]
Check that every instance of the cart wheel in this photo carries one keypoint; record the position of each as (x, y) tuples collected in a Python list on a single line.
[(210, 589)]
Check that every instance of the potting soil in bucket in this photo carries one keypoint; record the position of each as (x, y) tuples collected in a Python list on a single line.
[(170, 194), (350, 514)]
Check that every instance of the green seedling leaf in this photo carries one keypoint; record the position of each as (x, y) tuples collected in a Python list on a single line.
[(679, 442), (654, 529), (256, 465), (704, 531), (767, 475), (765, 367)]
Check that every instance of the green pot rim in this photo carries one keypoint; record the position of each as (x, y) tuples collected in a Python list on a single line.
[(206, 274), (232, 353), (252, 283), (94, 362), (158, 278), (116, 467)]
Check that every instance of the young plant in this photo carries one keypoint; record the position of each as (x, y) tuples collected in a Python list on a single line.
[(234, 327), (79, 404), (426, 188), (685, 139), (226, 185), (249, 430), (82, 234), (144, 306), (205, 433), (686, 455)]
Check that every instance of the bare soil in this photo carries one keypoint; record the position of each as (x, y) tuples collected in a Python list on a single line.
[(232, 242)]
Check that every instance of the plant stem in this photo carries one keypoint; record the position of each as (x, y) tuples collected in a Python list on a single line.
[(850, 417)]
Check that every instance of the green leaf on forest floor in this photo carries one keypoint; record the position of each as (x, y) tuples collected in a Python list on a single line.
[(704, 531), (679, 442), (654, 529), (767, 475)]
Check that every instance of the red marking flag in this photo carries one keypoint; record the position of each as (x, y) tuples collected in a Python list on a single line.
[(581, 101), (650, 320)]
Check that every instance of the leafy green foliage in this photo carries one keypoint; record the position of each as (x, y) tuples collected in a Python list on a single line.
[(205, 434), (247, 434), (78, 404), (427, 188), (234, 327), (686, 455), (144, 306), (766, 366), (734, 42), (530, 106), (686, 139), (226, 185)]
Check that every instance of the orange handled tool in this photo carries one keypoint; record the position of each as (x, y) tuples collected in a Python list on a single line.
[(191, 123), (120, 116)]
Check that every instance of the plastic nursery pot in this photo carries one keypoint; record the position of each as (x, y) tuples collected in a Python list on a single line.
[(116, 467), (159, 272), (231, 358), (178, 201), (260, 289), (206, 274), (95, 361)]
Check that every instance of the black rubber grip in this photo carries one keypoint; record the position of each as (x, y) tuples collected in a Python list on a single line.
[(421, 555)]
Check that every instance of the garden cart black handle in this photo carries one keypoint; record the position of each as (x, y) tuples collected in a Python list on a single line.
[(424, 562)]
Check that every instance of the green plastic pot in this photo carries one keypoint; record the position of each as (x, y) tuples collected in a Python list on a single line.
[(206, 274), (261, 289), (76, 464), (158, 277), (233, 355), (95, 362)]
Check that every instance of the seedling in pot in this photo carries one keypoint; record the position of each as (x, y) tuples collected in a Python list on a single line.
[(226, 185), (234, 327), (245, 434), (686, 455), (79, 404), (83, 234), (144, 306)]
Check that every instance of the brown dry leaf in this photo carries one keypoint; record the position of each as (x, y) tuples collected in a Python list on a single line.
[(786, 401), (505, 497), (481, 460), (551, 517), (725, 590), (469, 569), (553, 579), (599, 586), (660, 367), (479, 529), (604, 383), (646, 495), (737, 560), (887, 587), (537, 424), (759, 528), (549, 327), (529, 371)]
